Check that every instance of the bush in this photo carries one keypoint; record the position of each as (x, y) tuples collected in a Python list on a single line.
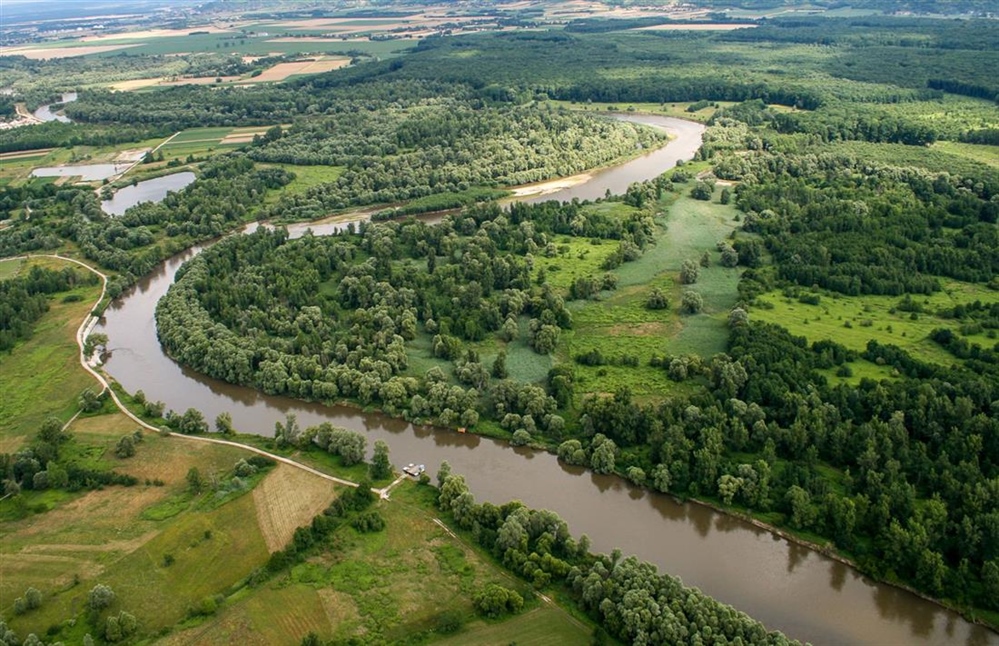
[(125, 447), (448, 622), (369, 522), (495, 601), (691, 302), (101, 596), (520, 437)]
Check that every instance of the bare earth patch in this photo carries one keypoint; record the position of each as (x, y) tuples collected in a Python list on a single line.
[(135, 84), (287, 499), (281, 71), (26, 153), (39, 54), (544, 188), (242, 137), (650, 328)]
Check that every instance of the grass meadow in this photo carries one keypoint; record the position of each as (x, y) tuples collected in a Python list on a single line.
[(854, 320), (619, 324), (41, 376)]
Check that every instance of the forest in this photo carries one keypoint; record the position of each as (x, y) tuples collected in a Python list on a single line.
[(850, 160), (23, 300)]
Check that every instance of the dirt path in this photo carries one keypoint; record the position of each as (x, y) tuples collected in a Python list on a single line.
[(22, 112), (81, 336)]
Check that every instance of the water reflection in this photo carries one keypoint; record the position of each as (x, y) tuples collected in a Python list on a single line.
[(150, 190), (837, 575), (796, 555)]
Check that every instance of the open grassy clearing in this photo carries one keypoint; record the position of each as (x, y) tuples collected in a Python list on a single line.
[(305, 178), (101, 536), (10, 268), (41, 376), (619, 325), (199, 135), (386, 587), (696, 227), (943, 156), (257, 45), (871, 317), (979, 153), (545, 626)]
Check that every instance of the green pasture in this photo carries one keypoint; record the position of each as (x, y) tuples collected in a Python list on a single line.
[(10, 268), (41, 376), (544, 626), (305, 178), (199, 134), (617, 323), (854, 320), (975, 152), (234, 42), (942, 157)]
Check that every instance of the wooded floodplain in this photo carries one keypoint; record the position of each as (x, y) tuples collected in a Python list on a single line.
[(800, 325)]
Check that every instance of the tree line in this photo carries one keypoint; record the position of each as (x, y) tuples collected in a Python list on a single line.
[(24, 299)]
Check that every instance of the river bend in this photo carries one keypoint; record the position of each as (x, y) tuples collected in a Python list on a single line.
[(788, 587)]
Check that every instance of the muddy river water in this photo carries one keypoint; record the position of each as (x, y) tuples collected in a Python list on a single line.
[(788, 587)]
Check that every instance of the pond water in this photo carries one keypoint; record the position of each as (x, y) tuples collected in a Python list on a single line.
[(150, 190), (86, 172)]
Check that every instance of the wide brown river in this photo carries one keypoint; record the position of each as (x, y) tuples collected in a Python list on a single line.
[(788, 587)]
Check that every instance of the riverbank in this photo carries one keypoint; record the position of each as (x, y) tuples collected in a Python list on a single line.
[(715, 552)]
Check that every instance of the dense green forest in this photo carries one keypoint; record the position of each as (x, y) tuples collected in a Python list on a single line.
[(824, 133), (444, 147)]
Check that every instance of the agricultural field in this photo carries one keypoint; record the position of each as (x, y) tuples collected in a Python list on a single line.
[(179, 561)]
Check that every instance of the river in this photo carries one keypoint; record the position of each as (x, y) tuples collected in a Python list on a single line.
[(45, 112), (788, 587)]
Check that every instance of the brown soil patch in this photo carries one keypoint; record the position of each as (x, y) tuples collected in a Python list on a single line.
[(281, 71), (152, 33), (26, 153), (287, 499), (39, 54), (135, 84), (237, 139), (242, 136), (651, 328)]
